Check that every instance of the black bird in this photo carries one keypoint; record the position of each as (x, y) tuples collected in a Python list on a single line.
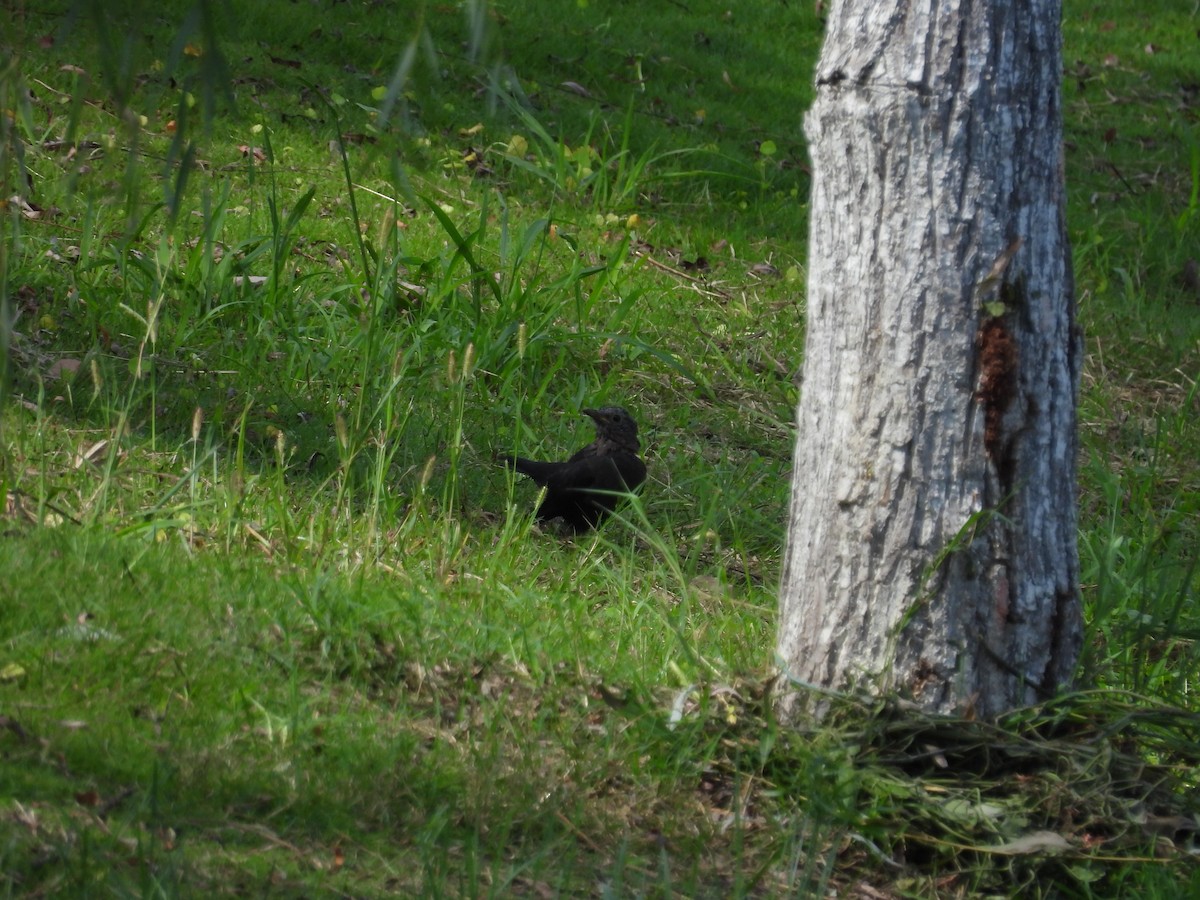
[(583, 490)]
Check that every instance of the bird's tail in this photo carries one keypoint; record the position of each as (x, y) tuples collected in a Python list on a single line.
[(538, 471)]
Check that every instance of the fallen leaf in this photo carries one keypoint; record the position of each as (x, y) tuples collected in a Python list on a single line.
[(63, 368), (1040, 842), (28, 210), (92, 454), (679, 706), (576, 88), (517, 146)]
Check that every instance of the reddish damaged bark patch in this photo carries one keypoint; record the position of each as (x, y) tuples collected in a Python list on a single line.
[(997, 382)]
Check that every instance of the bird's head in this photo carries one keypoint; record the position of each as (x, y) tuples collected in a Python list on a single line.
[(615, 424)]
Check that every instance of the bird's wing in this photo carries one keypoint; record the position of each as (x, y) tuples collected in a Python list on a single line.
[(575, 475), (631, 469), (612, 473), (584, 453)]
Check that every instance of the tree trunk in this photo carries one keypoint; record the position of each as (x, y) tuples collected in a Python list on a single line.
[(932, 536)]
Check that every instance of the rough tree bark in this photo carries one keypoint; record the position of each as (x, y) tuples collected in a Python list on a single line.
[(932, 536)]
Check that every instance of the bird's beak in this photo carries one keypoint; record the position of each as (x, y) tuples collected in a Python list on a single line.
[(594, 413)]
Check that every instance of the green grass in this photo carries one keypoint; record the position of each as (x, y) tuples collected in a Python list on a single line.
[(273, 621)]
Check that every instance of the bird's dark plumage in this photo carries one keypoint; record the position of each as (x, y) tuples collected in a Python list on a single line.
[(584, 489)]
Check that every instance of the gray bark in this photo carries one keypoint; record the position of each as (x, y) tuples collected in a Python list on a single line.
[(932, 535)]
